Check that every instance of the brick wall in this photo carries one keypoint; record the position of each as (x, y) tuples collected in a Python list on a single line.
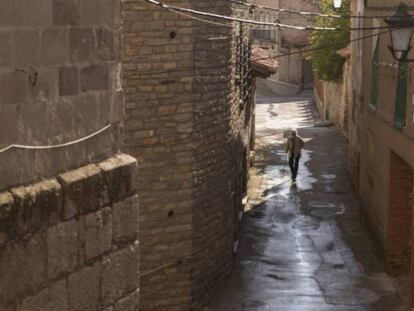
[(59, 81), (222, 129), (187, 128), (70, 243), (400, 220), (159, 130)]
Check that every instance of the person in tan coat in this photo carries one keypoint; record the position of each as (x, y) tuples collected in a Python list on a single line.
[(294, 150)]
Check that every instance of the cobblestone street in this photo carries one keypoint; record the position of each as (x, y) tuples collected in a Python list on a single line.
[(302, 246)]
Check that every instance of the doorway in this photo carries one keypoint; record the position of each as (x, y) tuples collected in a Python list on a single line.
[(400, 222)]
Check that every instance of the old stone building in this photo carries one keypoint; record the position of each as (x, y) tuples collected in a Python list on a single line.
[(189, 122), (387, 148), (380, 132), (293, 69), (68, 209)]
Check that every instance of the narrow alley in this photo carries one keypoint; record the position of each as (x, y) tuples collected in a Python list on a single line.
[(302, 245)]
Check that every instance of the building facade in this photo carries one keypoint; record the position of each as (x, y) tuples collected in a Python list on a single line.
[(68, 205), (387, 147), (293, 69), (189, 122), (380, 132)]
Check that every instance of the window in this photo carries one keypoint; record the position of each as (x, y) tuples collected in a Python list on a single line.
[(401, 97), (374, 75)]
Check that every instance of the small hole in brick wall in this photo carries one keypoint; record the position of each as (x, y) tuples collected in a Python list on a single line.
[(173, 34), (170, 213)]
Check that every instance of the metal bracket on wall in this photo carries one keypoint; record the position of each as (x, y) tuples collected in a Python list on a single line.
[(244, 72)]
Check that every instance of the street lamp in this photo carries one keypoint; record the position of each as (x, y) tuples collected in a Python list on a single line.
[(337, 4), (401, 25)]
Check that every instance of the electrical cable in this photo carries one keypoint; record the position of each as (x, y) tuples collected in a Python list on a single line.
[(253, 6), (179, 11), (174, 8), (202, 20), (28, 147), (167, 71), (327, 46), (303, 13)]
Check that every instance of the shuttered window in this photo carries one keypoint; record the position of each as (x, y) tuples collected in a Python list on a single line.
[(374, 75), (401, 97)]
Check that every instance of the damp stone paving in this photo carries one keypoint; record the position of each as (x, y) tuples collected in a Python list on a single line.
[(302, 247)]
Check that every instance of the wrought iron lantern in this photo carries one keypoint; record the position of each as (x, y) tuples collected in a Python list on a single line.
[(337, 4), (401, 26)]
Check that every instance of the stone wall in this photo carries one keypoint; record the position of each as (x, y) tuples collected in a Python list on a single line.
[(68, 227), (334, 100), (296, 38), (222, 128), (191, 136), (70, 243), (59, 81), (293, 69), (158, 132)]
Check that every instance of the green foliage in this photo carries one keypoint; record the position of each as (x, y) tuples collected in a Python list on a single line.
[(326, 64)]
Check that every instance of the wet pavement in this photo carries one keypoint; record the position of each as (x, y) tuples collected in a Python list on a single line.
[(302, 246)]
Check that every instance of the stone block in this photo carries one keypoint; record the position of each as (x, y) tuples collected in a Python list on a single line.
[(83, 190), (83, 288), (66, 12), (38, 13), (107, 228), (98, 233), (117, 110), (94, 77), (81, 45), (22, 267), (68, 81), (100, 12), (90, 12), (47, 84), (27, 48), (107, 44), (54, 46), (14, 87), (9, 307), (120, 174), (62, 248), (38, 205), (6, 48), (119, 274), (129, 303), (125, 218), (52, 298), (11, 13), (8, 215)]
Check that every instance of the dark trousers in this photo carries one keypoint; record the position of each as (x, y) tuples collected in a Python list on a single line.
[(294, 166)]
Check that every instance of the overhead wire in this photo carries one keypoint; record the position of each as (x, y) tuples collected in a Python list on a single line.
[(202, 19), (230, 18), (301, 51), (253, 6), (179, 10), (327, 46), (174, 8), (303, 13)]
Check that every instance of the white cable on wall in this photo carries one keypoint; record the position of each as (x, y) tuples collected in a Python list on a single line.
[(74, 142)]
